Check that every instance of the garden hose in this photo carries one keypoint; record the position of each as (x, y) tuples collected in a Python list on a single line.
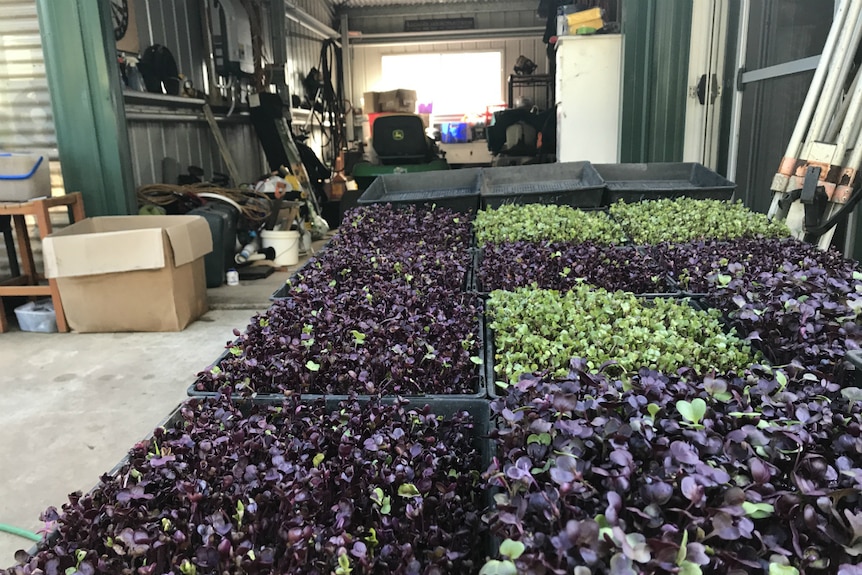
[(19, 532)]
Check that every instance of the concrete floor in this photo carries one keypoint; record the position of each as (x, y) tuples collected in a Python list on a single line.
[(73, 404)]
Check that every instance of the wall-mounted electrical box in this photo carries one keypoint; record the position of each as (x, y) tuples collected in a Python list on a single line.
[(231, 38)]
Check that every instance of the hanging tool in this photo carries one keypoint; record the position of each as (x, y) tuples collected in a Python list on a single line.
[(813, 189)]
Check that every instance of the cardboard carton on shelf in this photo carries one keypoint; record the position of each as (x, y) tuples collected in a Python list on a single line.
[(130, 273), (400, 100)]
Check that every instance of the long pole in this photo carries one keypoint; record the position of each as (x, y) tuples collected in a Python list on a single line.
[(347, 71), (736, 114)]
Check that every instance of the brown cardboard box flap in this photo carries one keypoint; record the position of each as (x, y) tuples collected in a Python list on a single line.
[(190, 241), (114, 244)]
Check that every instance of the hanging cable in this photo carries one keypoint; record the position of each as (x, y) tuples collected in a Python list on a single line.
[(330, 116)]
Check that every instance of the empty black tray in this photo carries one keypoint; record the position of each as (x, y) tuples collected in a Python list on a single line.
[(457, 190), (637, 182), (575, 184)]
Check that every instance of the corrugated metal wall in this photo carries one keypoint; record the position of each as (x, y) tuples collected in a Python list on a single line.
[(778, 32), (303, 45), (177, 25), (655, 89), (26, 119)]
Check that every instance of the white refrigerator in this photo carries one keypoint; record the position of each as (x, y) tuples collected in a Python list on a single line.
[(589, 97)]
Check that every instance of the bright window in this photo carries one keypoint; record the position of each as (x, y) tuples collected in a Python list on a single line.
[(456, 83)]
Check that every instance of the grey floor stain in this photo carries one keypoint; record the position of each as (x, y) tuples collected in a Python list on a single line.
[(65, 377)]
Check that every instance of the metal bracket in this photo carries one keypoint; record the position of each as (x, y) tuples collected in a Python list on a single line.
[(701, 90), (809, 186)]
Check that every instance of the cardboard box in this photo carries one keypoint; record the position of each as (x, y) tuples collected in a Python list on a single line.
[(398, 101), (392, 101), (130, 273), (369, 102)]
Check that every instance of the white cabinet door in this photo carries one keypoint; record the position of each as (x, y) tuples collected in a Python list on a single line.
[(709, 20), (588, 94)]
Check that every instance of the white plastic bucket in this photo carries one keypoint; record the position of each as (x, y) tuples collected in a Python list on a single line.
[(285, 244)]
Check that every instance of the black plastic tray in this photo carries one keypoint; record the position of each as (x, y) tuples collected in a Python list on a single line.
[(637, 182), (481, 391), (478, 288), (283, 291), (489, 348), (457, 190), (575, 184), (446, 407)]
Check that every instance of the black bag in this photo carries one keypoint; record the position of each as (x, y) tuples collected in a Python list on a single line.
[(158, 69)]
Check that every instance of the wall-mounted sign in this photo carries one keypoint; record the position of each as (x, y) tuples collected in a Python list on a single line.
[(435, 24)]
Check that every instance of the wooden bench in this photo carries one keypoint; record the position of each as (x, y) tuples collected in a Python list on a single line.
[(26, 280)]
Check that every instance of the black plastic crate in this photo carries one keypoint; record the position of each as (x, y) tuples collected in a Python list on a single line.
[(575, 184), (481, 390), (457, 190), (638, 182)]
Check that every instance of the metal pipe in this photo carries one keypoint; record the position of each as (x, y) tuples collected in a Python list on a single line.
[(794, 146), (850, 126), (843, 72), (308, 21), (855, 159), (182, 118), (834, 79), (444, 36), (838, 120), (209, 51), (347, 73), (736, 109)]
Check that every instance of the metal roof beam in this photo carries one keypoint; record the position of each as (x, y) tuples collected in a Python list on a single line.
[(309, 22), (437, 9), (443, 36)]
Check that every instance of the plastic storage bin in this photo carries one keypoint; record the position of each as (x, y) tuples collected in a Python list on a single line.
[(37, 316), (637, 182), (457, 190), (23, 177), (222, 219), (575, 184)]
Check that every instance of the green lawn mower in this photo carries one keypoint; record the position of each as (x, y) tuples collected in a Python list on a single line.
[(401, 146)]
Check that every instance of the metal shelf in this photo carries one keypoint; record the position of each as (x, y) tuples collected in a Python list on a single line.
[(531, 81)]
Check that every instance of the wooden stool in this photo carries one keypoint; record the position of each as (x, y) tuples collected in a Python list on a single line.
[(27, 283)]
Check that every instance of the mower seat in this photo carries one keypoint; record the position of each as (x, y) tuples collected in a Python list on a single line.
[(401, 139)]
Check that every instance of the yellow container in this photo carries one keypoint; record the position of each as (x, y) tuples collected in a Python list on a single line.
[(585, 18)]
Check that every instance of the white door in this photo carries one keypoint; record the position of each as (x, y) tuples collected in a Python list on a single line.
[(706, 73)]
